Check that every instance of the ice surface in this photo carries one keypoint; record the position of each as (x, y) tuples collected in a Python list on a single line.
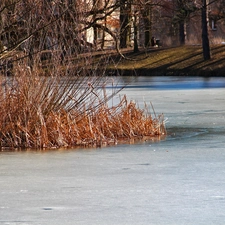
[(180, 180)]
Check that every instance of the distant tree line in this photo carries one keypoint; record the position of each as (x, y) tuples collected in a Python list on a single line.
[(34, 25)]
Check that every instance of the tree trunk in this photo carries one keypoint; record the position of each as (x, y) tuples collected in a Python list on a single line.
[(135, 34), (205, 38), (147, 24), (124, 20), (95, 29), (95, 36), (181, 33)]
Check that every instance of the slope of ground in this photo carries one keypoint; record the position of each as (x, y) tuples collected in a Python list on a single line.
[(180, 61)]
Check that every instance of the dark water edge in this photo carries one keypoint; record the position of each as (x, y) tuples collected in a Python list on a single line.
[(175, 133)]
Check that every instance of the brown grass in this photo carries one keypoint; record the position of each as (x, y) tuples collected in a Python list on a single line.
[(62, 112)]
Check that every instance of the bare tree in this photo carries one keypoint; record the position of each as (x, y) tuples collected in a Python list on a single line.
[(124, 22), (182, 12), (145, 8), (205, 38)]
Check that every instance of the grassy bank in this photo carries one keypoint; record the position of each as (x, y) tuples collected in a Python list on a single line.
[(178, 61)]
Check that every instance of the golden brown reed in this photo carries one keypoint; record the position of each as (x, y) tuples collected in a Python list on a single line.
[(62, 112)]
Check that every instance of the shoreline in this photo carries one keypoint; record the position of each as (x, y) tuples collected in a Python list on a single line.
[(164, 73)]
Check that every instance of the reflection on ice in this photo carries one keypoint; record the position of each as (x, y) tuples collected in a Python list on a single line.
[(178, 133)]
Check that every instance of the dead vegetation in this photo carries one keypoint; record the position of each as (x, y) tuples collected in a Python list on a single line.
[(40, 112)]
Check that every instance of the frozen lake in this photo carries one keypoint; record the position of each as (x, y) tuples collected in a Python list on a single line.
[(180, 180)]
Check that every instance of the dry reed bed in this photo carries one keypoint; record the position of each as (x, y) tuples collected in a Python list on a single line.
[(57, 112), (22, 128), (24, 125)]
